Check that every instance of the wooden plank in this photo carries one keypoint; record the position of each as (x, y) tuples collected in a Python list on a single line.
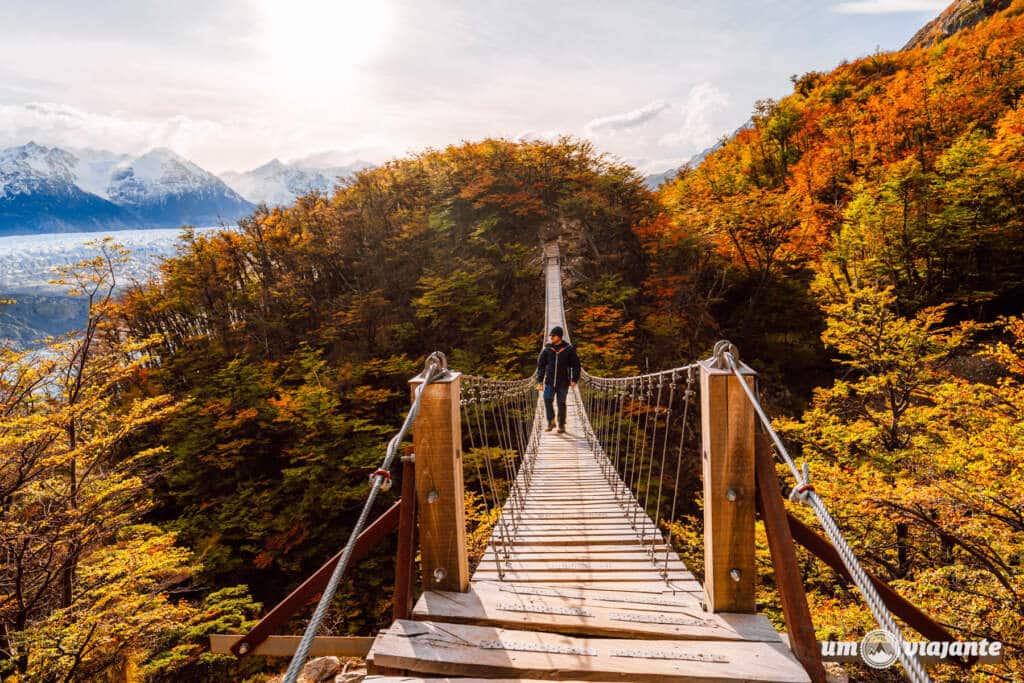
[(539, 553), (551, 562), (526, 529), (524, 526), (582, 577), (727, 436), (589, 524), (802, 638), (437, 440), (577, 563), (617, 521), (490, 652), (659, 587), (538, 539), (658, 592), (448, 679), (592, 549), (581, 538), (284, 646), (581, 505), (585, 563), (488, 605), (658, 600)]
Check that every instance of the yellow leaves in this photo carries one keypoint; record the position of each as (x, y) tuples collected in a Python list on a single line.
[(237, 419), (607, 340), (922, 471), (369, 397), (119, 611)]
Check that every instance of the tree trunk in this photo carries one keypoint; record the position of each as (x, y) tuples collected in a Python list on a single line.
[(902, 555)]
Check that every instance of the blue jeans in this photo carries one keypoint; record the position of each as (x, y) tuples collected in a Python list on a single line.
[(550, 393)]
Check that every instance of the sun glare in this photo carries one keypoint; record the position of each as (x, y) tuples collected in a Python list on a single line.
[(322, 41)]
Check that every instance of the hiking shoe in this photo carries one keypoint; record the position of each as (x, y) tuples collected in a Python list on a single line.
[(551, 425)]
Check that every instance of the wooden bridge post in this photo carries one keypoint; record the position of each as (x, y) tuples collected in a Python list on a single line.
[(437, 442), (728, 445)]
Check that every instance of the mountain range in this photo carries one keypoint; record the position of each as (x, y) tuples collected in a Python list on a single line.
[(276, 183), (656, 180), (50, 189)]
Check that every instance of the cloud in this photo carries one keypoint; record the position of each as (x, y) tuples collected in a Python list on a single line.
[(630, 119), (67, 126), (656, 166), (699, 111), (889, 6), (539, 136), (207, 142)]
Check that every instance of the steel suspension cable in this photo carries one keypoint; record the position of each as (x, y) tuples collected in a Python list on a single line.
[(804, 492), (687, 396), (436, 365)]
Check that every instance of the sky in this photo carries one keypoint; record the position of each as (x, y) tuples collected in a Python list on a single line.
[(232, 84)]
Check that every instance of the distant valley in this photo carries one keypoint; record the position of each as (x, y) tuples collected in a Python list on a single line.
[(31, 308)]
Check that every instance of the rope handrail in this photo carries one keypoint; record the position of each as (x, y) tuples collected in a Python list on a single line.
[(633, 378), (498, 382), (804, 493), (500, 419), (483, 390), (629, 423), (435, 367)]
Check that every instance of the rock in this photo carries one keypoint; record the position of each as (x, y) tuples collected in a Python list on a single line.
[(320, 669), (835, 673), (351, 676), (961, 14)]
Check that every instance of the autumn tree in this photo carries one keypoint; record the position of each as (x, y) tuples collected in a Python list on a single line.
[(83, 586), (290, 341)]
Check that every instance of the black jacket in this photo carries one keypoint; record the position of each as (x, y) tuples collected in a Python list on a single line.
[(558, 366)]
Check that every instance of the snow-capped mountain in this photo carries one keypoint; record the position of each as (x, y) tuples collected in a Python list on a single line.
[(277, 183), (39, 193), (48, 189), (164, 189), (94, 168)]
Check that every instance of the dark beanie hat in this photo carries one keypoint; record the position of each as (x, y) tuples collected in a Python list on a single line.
[(556, 331)]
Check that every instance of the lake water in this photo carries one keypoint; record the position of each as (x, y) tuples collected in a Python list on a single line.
[(27, 261)]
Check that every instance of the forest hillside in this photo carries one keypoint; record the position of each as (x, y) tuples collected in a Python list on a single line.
[(863, 243), (204, 443)]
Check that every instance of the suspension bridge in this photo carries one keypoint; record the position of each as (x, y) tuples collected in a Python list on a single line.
[(579, 579)]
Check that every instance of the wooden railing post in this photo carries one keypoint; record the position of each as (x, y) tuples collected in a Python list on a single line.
[(728, 442), (405, 558), (799, 627), (437, 443)]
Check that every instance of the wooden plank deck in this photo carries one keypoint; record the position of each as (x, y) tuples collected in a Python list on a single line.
[(585, 594), (489, 652), (579, 587)]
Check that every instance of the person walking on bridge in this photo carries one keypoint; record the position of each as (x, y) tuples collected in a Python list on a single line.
[(558, 368)]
